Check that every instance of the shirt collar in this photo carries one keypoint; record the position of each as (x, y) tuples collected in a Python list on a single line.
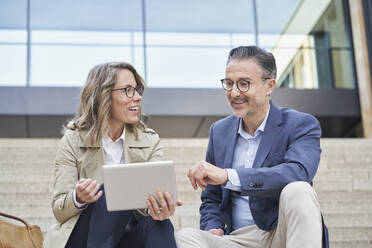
[(259, 130), (107, 140)]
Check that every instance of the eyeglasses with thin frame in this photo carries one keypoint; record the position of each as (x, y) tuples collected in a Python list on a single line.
[(243, 85), (130, 91)]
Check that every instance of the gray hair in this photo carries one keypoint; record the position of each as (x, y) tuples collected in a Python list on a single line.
[(264, 59)]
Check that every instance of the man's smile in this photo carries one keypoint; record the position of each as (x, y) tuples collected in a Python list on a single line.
[(239, 101)]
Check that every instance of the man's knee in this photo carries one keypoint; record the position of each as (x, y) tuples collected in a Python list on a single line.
[(298, 193)]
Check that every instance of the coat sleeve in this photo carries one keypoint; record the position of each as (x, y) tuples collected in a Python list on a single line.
[(65, 178), (211, 197), (299, 161)]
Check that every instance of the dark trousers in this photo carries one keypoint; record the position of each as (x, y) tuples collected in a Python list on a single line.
[(96, 227)]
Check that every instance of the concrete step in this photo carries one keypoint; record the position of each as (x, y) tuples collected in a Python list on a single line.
[(25, 177), (14, 196), (28, 211), (350, 233), (26, 197), (181, 160), (34, 187), (29, 152), (350, 244), (348, 220), (346, 146), (348, 191), (331, 202), (350, 213), (45, 171), (344, 206), (331, 191), (355, 185), (8, 144), (26, 161), (342, 175), (26, 202), (343, 184), (353, 165), (341, 179), (333, 196), (190, 211)]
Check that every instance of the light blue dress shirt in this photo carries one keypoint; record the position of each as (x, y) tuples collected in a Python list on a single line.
[(244, 155)]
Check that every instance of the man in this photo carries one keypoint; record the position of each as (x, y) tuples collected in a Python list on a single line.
[(260, 164)]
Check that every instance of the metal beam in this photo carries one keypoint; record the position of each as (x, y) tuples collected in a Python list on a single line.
[(177, 101)]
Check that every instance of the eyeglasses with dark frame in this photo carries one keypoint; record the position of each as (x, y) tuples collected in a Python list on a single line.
[(243, 85), (130, 91)]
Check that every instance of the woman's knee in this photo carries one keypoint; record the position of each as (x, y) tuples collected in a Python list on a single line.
[(150, 224)]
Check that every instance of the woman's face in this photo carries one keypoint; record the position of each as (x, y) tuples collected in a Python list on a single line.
[(125, 110)]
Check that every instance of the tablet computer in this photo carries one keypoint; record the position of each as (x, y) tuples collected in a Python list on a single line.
[(127, 186)]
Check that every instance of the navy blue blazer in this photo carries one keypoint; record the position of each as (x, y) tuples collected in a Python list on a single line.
[(289, 151)]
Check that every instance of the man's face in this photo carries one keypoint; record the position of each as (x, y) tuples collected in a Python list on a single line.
[(256, 99)]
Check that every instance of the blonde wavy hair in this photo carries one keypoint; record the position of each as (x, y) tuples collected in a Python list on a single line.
[(95, 101)]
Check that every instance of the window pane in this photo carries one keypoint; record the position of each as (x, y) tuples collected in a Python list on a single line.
[(13, 65), (13, 40), (63, 65), (188, 41), (13, 14), (113, 15), (81, 37), (272, 18), (70, 37), (207, 16), (186, 67), (319, 51)]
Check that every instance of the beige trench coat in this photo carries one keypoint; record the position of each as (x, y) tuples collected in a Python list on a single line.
[(77, 159)]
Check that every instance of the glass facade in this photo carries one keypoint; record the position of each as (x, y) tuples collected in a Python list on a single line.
[(324, 58), (13, 42), (173, 44)]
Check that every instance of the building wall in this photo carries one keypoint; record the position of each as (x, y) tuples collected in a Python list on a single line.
[(180, 48)]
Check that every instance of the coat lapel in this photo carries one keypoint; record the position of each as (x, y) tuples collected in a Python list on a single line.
[(272, 128), (231, 142), (132, 147), (92, 158)]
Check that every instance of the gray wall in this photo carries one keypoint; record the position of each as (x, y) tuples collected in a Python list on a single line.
[(41, 111)]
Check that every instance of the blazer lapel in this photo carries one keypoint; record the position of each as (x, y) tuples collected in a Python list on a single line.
[(231, 142), (272, 128)]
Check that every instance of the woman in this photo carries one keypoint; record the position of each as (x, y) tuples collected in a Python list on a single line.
[(107, 130)]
